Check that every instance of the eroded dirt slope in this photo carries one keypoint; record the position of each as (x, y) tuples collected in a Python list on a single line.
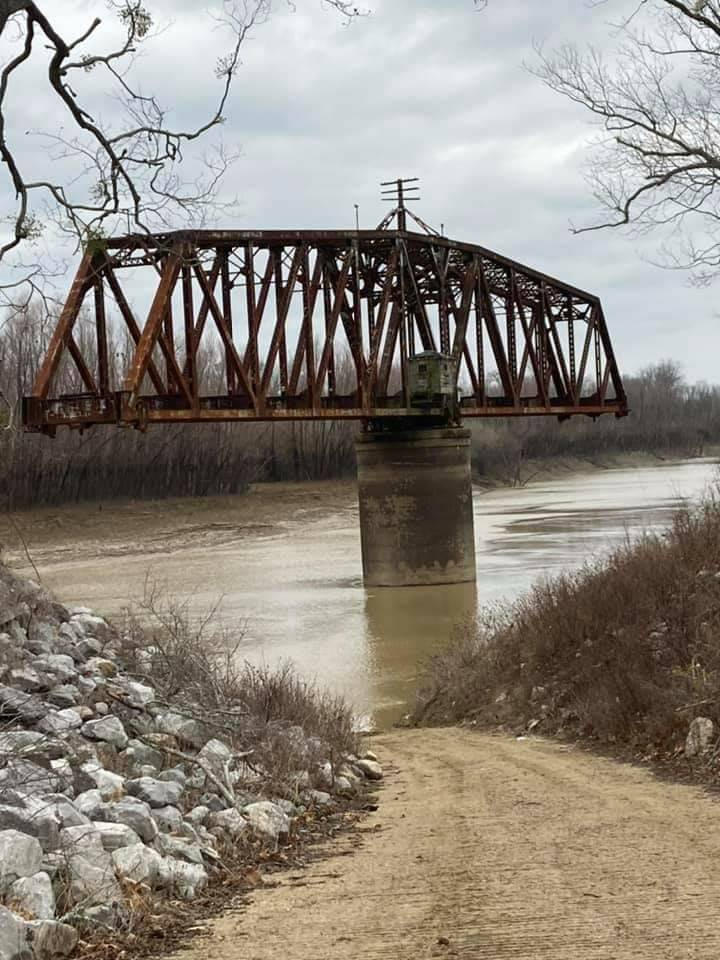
[(504, 848)]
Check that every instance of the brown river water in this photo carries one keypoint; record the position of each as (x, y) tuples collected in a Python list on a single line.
[(283, 564)]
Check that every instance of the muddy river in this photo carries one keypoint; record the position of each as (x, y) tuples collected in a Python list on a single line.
[(283, 565)]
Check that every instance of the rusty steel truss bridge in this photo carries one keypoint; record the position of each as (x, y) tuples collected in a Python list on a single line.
[(313, 325)]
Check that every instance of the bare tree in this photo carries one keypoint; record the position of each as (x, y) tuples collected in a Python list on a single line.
[(656, 162), (128, 165)]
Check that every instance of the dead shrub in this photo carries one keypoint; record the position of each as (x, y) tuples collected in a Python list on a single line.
[(283, 723), (625, 650)]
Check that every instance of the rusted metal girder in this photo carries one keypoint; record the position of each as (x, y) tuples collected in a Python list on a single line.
[(315, 325)]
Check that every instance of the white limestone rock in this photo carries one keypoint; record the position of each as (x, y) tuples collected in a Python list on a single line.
[(173, 775), (168, 818), (325, 775), (68, 632), (63, 696), (216, 755), (184, 880), (157, 793), (180, 849), (114, 836), (184, 729), (267, 820), (18, 635), (42, 637), (85, 648), (146, 770), (51, 938), (198, 815), (33, 896), (111, 785), (33, 817), (99, 667), (20, 856), (86, 686), (13, 938), (62, 768), (90, 867), (318, 798), (60, 721), (371, 769), (213, 802), (229, 821), (92, 806), (17, 742), (139, 694), (25, 706), (139, 753), (65, 811), (343, 786), (137, 815), (107, 729), (59, 665), (90, 626), (27, 679), (700, 738), (85, 713), (302, 780), (107, 915), (138, 863)]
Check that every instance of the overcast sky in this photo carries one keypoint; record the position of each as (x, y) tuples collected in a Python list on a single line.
[(427, 88)]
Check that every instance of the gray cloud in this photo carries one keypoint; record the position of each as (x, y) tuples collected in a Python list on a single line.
[(429, 88)]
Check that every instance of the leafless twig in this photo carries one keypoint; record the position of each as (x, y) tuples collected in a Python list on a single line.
[(656, 161)]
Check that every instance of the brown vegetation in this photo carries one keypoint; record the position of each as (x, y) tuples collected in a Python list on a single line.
[(272, 716), (108, 463), (669, 417), (624, 651)]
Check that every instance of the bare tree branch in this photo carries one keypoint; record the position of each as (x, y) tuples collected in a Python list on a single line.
[(128, 166), (656, 161)]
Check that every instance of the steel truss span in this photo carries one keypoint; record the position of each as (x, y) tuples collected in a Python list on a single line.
[(312, 325)]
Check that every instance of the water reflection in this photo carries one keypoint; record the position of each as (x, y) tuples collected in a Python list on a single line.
[(403, 627)]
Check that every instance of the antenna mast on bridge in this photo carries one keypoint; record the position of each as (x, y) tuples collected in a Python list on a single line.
[(399, 192)]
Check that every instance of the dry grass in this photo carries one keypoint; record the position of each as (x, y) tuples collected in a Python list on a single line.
[(282, 722), (627, 650)]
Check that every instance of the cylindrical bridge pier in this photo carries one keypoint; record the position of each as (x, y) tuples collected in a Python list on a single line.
[(416, 512)]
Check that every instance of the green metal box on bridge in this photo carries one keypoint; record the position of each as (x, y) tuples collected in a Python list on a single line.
[(432, 381)]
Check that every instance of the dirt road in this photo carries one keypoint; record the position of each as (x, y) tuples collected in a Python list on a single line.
[(505, 848)]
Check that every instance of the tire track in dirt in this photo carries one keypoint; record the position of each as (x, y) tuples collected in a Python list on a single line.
[(521, 849)]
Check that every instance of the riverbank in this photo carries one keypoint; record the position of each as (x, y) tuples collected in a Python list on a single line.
[(121, 527), (141, 767), (535, 470), (622, 654)]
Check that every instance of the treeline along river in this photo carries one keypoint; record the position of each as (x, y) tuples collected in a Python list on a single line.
[(668, 416)]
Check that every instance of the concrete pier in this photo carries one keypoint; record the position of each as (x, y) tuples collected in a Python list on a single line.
[(416, 515)]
